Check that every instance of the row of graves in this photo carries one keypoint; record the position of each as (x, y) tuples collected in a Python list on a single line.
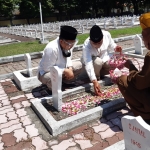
[(5, 40), (78, 105), (83, 26)]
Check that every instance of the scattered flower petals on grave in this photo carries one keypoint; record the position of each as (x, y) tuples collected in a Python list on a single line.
[(76, 106)]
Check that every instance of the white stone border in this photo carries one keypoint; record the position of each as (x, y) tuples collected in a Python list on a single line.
[(57, 127)]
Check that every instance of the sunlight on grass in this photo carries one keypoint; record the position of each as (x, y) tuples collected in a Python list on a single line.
[(21, 48), (34, 46)]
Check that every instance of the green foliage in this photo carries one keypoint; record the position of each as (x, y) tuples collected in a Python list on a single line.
[(30, 8), (7, 7)]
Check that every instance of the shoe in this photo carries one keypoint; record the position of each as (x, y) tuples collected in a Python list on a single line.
[(72, 84)]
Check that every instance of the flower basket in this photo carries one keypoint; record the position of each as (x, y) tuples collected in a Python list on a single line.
[(114, 75), (116, 63)]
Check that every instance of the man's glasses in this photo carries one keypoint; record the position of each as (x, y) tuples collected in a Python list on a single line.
[(68, 43)]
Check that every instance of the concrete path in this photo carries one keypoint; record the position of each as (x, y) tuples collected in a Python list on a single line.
[(21, 129)]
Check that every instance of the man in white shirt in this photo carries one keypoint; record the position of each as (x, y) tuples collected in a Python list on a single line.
[(57, 53), (96, 55)]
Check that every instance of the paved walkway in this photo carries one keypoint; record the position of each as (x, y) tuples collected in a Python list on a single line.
[(21, 129)]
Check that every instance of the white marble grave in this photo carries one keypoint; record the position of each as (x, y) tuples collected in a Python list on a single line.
[(136, 133), (56, 78), (138, 45), (27, 58)]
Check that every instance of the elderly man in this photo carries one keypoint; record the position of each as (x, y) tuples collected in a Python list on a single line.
[(136, 86), (57, 53), (96, 54)]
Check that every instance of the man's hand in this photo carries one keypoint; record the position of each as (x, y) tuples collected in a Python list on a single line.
[(127, 63), (96, 87), (68, 73), (118, 49)]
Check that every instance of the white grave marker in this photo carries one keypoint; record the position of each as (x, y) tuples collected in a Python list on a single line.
[(136, 133), (138, 45), (56, 78), (27, 58)]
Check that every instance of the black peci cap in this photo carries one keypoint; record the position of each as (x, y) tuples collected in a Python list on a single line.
[(68, 33), (96, 34)]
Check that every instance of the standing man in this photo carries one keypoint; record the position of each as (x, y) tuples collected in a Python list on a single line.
[(96, 55), (136, 86), (57, 53)]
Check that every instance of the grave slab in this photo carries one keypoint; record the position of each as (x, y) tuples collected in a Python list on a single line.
[(57, 127), (25, 83), (136, 133), (117, 146), (56, 78), (138, 45)]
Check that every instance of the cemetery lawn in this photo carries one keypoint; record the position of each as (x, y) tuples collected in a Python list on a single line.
[(115, 33), (34, 46)]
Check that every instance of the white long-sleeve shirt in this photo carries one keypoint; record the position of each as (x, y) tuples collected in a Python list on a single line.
[(52, 56), (102, 52)]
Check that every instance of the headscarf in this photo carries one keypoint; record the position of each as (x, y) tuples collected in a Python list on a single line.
[(145, 20)]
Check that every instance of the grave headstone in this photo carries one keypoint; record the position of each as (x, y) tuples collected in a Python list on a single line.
[(56, 79), (115, 24), (138, 45), (136, 133), (27, 58), (82, 29), (104, 24)]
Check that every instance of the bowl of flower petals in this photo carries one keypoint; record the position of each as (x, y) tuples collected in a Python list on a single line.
[(117, 61), (114, 74)]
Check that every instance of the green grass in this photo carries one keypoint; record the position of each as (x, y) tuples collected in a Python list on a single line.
[(34, 46), (125, 32), (115, 33), (21, 48)]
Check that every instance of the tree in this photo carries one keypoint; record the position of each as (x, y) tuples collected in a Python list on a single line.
[(30, 8), (7, 7)]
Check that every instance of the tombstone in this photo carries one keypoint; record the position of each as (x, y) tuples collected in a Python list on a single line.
[(82, 29), (122, 20), (104, 24), (87, 24), (53, 28), (136, 133), (30, 34), (25, 32), (132, 22), (35, 33), (138, 45), (115, 24), (56, 78), (27, 58)]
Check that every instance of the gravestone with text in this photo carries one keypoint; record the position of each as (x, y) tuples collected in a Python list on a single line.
[(138, 45), (136, 133), (56, 79)]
